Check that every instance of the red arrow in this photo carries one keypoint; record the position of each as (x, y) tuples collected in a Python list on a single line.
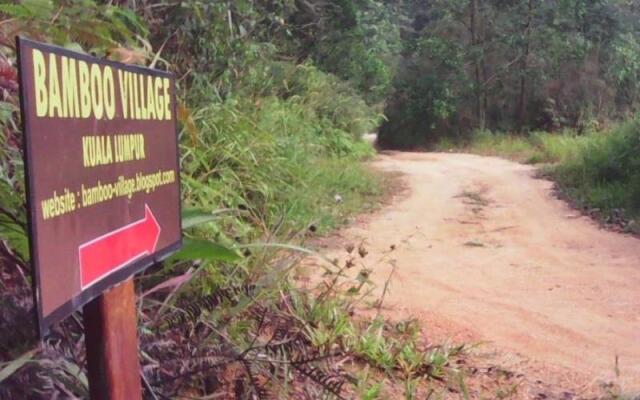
[(116, 249)]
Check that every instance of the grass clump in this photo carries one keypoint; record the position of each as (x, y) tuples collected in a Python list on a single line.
[(553, 148), (534, 148), (603, 172), (488, 143), (282, 160)]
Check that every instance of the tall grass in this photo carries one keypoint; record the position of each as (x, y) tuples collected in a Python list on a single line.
[(278, 157), (288, 157), (603, 170)]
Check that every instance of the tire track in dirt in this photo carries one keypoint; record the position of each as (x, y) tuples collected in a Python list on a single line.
[(483, 247)]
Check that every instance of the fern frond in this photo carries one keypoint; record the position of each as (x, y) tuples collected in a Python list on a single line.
[(332, 383), (191, 311)]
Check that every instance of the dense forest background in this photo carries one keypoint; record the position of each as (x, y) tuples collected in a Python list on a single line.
[(436, 68), (275, 96), (516, 66)]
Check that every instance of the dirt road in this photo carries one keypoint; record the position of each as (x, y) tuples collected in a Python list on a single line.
[(483, 248)]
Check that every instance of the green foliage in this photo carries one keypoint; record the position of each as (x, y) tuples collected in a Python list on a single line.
[(511, 66), (624, 69), (361, 46), (77, 24), (195, 249), (13, 221), (398, 349), (604, 170), (278, 159), (486, 142), (330, 99), (426, 95)]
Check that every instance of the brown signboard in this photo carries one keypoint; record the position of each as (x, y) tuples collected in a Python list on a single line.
[(102, 173)]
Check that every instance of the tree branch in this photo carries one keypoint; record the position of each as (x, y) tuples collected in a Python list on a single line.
[(502, 70)]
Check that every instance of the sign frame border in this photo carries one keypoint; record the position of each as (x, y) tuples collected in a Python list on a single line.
[(43, 323)]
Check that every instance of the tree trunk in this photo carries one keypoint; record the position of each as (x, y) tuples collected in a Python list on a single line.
[(477, 63), (483, 67), (524, 66)]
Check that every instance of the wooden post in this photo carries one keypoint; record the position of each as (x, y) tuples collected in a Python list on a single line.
[(110, 325)]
